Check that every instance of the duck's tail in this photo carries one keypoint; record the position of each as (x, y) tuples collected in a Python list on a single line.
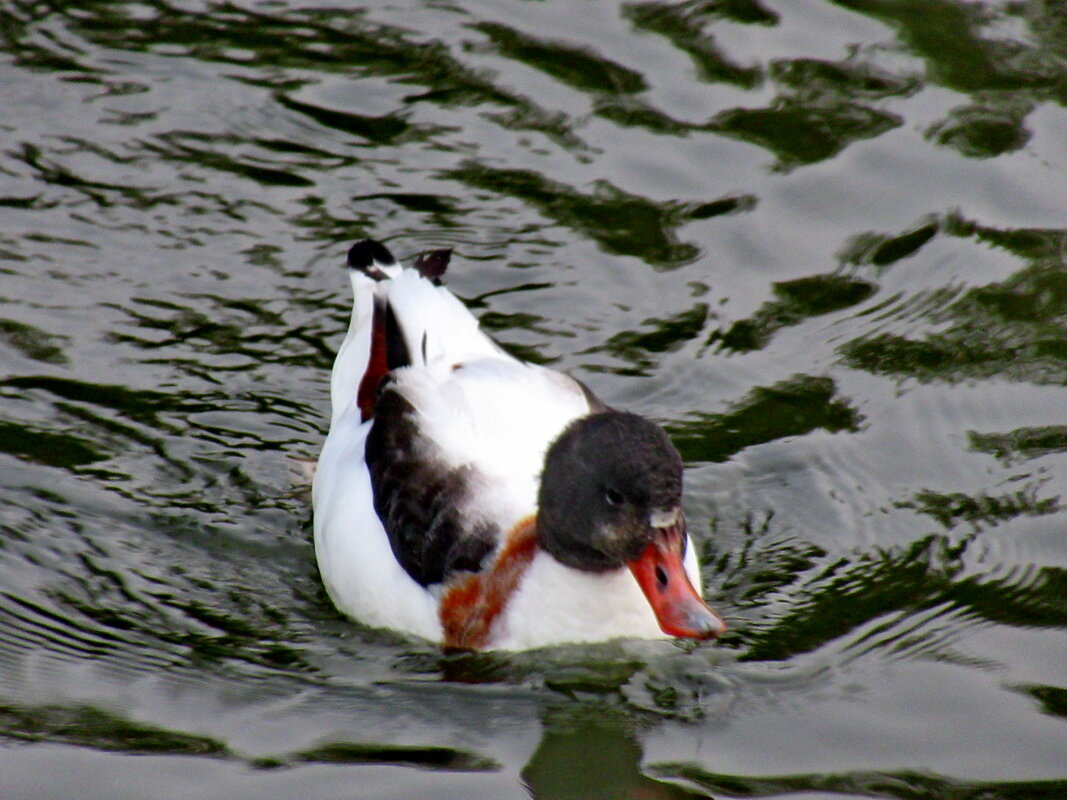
[(400, 317)]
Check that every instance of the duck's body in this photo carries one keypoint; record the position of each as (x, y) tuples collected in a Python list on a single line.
[(431, 515)]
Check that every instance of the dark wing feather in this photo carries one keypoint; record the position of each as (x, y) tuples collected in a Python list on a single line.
[(420, 499)]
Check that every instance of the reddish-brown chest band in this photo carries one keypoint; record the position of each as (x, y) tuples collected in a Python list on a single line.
[(473, 602)]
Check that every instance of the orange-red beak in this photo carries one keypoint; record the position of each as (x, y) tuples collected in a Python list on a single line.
[(661, 575)]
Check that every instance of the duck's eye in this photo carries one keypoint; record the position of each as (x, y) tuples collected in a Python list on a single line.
[(613, 497)]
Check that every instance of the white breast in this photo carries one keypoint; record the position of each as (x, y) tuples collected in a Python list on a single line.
[(556, 604)]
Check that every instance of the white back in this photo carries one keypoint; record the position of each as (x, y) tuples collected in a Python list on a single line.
[(498, 415)]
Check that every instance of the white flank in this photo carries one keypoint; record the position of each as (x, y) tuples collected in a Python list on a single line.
[(356, 562)]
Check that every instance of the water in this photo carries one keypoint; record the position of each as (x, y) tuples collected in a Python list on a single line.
[(822, 243)]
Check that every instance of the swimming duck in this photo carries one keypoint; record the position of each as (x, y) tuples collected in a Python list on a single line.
[(482, 502)]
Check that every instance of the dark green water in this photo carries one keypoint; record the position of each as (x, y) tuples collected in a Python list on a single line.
[(824, 243)]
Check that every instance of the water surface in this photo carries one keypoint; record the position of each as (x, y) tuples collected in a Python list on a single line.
[(823, 243)]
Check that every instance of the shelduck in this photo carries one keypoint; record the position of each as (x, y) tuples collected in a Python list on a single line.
[(482, 502)]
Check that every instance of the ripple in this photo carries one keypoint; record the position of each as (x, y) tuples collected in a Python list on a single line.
[(683, 27), (882, 250), (795, 301), (32, 342), (952, 508), (898, 785), (618, 221), (912, 599), (1021, 444), (578, 67), (44, 447), (31, 627), (437, 758), (85, 726), (791, 408)]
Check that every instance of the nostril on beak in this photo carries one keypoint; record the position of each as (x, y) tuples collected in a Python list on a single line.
[(661, 577)]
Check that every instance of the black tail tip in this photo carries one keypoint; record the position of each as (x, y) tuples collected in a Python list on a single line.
[(363, 255), (432, 264)]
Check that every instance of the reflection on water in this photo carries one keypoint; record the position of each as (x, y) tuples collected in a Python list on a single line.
[(821, 242), (791, 408), (592, 753), (1014, 329)]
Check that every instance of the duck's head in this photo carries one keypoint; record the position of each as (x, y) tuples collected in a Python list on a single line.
[(610, 498)]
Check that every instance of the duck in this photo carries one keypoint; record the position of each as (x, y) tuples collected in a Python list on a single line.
[(482, 502)]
